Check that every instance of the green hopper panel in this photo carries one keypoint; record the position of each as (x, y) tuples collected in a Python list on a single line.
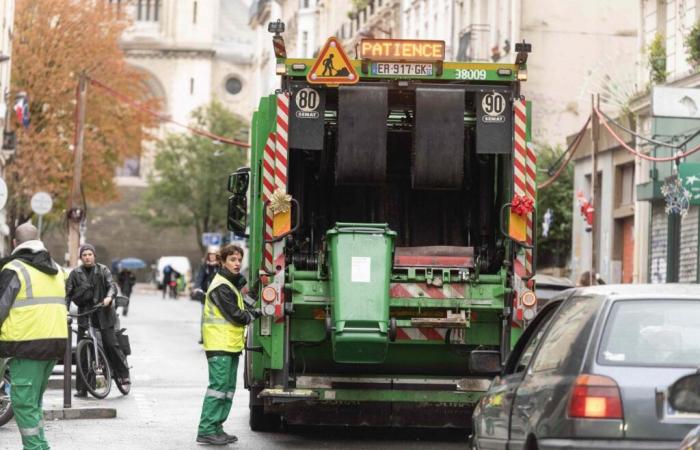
[(360, 258)]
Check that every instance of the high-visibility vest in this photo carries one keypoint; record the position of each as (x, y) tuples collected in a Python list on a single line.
[(37, 322), (218, 333)]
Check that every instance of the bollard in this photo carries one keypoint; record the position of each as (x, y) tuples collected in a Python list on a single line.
[(67, 367)]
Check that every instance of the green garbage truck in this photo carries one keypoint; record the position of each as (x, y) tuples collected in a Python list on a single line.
[(388, 208)]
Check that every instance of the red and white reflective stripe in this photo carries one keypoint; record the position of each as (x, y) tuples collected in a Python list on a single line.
[(281, 158), (532, 193), (422, 290), (429, 334), (520, 167), (282, 147), (520, 188), (280, 48), (268, 182)]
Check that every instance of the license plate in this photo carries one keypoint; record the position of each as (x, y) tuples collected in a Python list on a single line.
[(403, 69)]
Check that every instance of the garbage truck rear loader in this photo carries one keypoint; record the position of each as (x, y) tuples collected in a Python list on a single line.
[(389, 213)]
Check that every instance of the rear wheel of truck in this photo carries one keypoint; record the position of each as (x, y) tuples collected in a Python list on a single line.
[(259, 420)]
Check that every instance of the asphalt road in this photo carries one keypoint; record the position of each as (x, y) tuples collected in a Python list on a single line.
[(169, 376)]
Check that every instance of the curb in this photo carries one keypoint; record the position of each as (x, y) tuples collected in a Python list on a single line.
[(57, 383), (80, 413)]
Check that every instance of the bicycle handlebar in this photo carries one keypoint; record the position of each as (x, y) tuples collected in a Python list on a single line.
[(85, 313)]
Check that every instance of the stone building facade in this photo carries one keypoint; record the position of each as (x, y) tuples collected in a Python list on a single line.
[(192, 51)]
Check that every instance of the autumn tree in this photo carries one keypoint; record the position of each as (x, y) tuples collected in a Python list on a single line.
[(189, 185), (54, 40)]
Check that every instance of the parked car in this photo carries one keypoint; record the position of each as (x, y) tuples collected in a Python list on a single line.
[(592, 370), (180, 263), (684, 396)]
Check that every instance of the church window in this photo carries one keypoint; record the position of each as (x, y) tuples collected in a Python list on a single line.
[(233, 85), (148, 10)]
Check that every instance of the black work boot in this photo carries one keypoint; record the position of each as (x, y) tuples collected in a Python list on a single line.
[(213, 439)]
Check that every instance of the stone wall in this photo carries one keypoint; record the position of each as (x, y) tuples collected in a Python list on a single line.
[(116, 233)]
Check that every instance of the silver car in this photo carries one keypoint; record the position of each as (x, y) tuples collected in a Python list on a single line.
[(592, 372)]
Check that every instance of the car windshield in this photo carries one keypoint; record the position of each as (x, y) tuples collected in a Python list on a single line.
[(652, 332)]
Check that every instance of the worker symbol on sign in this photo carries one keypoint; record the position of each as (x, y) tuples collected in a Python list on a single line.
[(328, 66), (332, 66)]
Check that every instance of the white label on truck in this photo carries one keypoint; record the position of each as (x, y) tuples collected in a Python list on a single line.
[(360, 269)]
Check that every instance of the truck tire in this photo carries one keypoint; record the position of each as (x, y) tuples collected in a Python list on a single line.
[(259, 420)]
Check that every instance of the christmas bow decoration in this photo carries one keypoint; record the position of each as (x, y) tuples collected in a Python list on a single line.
[(522, 205), (280, 202)]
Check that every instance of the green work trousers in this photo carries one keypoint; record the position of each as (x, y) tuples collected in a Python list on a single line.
[(29, 380), (219, 396)]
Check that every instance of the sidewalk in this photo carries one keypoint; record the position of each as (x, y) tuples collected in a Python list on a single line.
[(81, 408)]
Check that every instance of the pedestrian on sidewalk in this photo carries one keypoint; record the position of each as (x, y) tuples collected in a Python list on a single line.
[(225, 318), (89, 285), (205, 275), (126, 280), (33, 328)]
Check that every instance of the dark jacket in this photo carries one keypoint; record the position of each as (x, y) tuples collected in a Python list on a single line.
[(204, 276), (126, 280), (86, 288), (39, 259)]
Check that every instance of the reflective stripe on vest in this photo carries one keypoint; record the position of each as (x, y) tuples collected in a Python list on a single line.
[(218, 333), (39, 310)]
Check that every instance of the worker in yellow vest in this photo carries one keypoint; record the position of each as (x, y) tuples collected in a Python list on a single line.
[(223, 331), (33, 328)]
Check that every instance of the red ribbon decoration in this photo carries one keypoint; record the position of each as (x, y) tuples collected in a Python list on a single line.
[(522, 205)]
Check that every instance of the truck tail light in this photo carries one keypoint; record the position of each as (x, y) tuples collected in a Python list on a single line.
[(595, 397), (528, 299), (269, 294)]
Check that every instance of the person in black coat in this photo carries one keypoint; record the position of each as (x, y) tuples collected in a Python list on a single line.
[(205, 274), (89, 285)]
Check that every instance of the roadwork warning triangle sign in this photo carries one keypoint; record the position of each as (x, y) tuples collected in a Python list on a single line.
[(332, 66)]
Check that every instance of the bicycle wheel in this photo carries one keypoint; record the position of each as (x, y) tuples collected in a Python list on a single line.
[(6, 412), (96, 373), (123, 388)]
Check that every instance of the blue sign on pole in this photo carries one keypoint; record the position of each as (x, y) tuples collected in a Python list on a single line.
[(211, 239)]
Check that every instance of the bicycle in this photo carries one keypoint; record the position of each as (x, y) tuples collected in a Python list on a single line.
[(92, 363), (6, 412)]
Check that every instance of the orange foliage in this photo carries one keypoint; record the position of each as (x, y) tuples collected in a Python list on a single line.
[(54, 40)]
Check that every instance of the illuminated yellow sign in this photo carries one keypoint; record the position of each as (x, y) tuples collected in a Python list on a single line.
[(402, 50)]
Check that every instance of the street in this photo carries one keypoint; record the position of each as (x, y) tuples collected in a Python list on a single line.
[(170, 376)]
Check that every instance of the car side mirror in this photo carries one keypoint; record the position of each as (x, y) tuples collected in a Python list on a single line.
[(238, 181), (237, 214), (684, 394), (485, 362)]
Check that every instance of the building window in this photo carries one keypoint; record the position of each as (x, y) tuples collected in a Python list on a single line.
[(147, 10), (191, 86), (304, 43), (304, 3), (194, 12), (117, 5), (625, 185), (233, 85), (130, 168)]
